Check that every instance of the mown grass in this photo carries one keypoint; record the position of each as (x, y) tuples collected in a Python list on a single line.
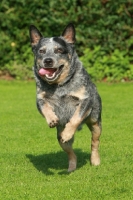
[(33, 166)]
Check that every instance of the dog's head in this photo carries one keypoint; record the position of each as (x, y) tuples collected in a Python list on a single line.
[(53, 56)]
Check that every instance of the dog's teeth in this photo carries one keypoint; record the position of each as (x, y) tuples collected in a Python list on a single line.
[(53, 74), (48, 76)]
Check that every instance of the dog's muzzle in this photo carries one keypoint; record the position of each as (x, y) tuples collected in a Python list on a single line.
[(50, 73)]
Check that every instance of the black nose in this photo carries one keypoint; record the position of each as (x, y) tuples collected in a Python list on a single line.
[(48, 61)]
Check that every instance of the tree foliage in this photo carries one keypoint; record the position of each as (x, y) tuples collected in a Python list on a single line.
[(104, 23)]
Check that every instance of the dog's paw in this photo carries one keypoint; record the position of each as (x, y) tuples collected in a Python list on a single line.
[(95, 158), (72, 165), (53, 123), (65, 137), (68, 133)]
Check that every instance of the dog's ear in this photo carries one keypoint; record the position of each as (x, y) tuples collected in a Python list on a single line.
[(69, 33), (35, 35)]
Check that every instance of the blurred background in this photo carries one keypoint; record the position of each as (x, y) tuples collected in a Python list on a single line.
[(104, 35)]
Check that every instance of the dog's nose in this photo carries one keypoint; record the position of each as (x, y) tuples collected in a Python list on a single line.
[(48, 61)]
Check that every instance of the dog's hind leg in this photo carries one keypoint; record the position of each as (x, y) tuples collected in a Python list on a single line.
[(95, 129), (67, 147)]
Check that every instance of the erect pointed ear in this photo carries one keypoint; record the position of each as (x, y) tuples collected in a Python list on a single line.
[(35, 35), (69, 33)]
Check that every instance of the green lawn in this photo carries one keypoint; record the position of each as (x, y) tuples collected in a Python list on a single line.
[(32, 164)]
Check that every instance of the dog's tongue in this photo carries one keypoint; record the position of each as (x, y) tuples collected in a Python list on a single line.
[(48, 71)]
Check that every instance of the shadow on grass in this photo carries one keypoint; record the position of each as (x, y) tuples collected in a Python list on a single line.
[(46, 163)]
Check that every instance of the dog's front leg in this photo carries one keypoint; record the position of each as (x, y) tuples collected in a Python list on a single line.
[(50, 115), (82, 111), (47, 111)]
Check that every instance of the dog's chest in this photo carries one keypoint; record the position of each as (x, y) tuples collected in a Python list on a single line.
[(64, 100), (64, 105)]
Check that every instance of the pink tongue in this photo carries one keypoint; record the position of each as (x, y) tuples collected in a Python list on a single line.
[(48, 71)]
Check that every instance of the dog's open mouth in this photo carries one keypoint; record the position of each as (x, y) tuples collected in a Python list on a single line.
[(51, 73)]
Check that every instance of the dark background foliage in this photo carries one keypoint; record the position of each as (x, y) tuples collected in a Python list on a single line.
[(104, 34)]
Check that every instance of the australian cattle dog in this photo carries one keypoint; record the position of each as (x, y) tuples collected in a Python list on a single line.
[(66, 96)]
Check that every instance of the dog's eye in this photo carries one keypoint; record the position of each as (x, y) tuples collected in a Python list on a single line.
[(42, 51), (59, 50)]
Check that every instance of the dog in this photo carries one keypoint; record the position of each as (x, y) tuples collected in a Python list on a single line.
[(66, 96)]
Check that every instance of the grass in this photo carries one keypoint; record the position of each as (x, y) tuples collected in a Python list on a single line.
[(32, 164)]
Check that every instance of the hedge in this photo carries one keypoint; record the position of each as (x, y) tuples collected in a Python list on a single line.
[(102, 24)]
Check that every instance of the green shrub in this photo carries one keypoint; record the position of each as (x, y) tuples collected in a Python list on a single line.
[(19, 69), (103, 23), (113, 67)]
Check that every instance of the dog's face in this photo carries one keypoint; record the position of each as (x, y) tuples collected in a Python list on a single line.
[(53, 56)]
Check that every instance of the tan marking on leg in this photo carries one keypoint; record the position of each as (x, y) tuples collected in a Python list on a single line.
[(96, 132), (72, 125), (49, 114), (71, 156), (76, 119)]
